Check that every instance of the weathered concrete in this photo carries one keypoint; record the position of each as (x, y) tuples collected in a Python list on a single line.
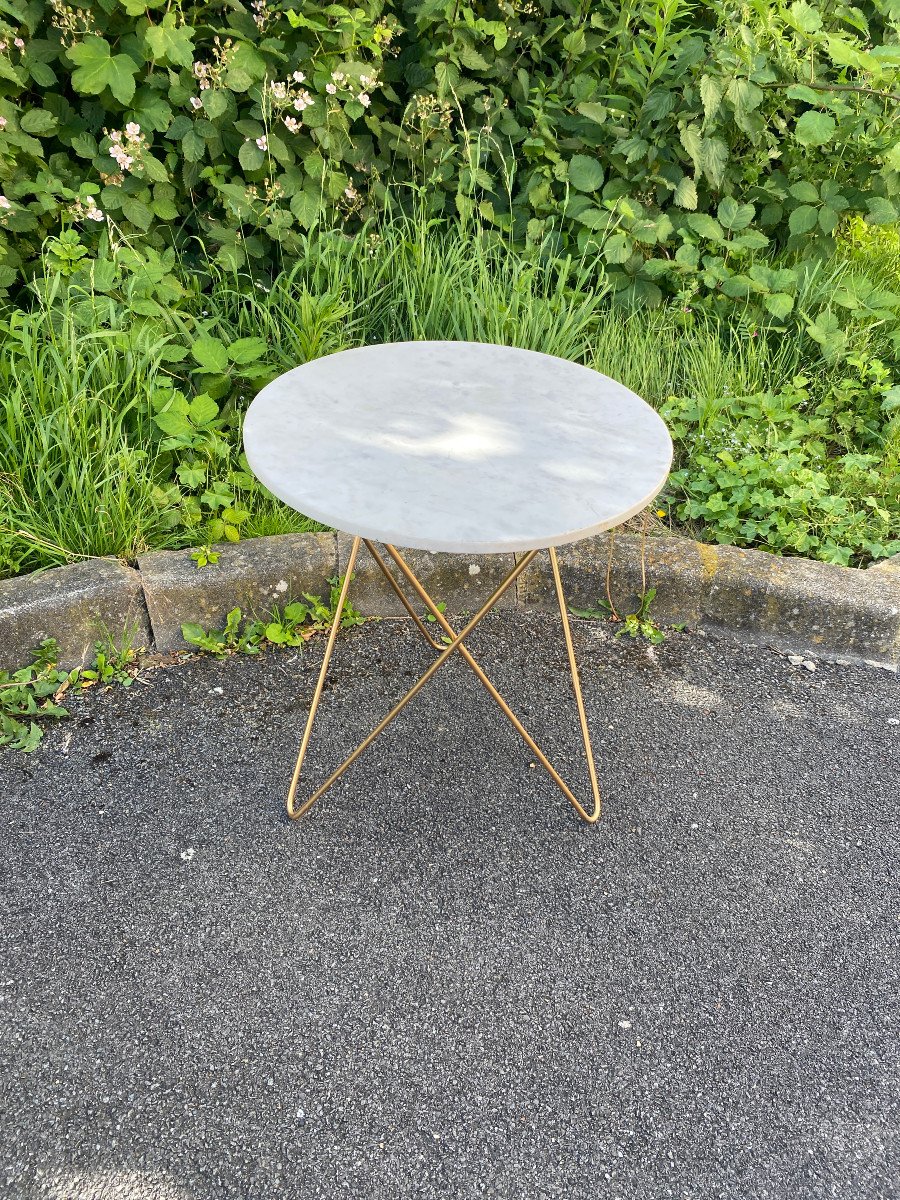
[(791, 603), (95, 600), (672, 565), (462, 582), (826, 608), (254, 575)]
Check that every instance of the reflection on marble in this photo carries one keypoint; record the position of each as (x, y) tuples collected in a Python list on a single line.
[(457, 446)]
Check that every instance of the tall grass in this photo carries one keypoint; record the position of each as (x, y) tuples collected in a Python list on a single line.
[(76, 459), (79, 458)]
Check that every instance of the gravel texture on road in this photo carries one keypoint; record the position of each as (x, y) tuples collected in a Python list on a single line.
[(441, 984)]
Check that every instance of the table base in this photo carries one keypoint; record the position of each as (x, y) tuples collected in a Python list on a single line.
[(453, 644)]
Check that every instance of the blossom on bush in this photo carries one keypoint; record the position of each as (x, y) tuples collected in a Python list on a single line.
[(86, 210), (126, 148)]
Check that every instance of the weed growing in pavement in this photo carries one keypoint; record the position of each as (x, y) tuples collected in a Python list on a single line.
[(32, 694), (291, 626), (635, 625)]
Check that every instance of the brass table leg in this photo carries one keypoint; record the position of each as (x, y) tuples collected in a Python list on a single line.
[(454, 643)]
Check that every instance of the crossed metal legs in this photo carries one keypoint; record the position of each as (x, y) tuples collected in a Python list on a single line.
[(454, 644)]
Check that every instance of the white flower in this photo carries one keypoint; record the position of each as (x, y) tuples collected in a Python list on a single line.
[(94, 213), (330, 89), (350, 192), (337, 76), (2, 122), (196, 102), (263, 142), (19, 44), (298, 77), (279, 90), (5, 203), (291, 123), (365, 99), (133, 130)]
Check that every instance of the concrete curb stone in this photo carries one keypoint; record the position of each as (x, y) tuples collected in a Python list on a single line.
[(77, 605), (254, 575), (463, 583), (790, 603)]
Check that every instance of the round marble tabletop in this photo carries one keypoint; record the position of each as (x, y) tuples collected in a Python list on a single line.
[(457, 446)]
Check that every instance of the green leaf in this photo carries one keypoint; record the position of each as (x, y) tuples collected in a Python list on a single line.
[(814, 128), (247, 350), (203, 408), (215, 102), (170, 43), (306, 207), (735, 216), (617, 249), (173, 423), (686, 193), (806, 193), (711, 95), (593, 111), (585, 173), (250, 156), (751, 239), (194, 147), (713, 157), (881, 211), (43, 75), (803, 219), (706, 226), (97, 69), (574, 43), (211, 354), (744, 95), (38, 121), (138, 213), (779, 304)]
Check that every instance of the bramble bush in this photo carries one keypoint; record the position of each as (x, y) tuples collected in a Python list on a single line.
[(684, 140)]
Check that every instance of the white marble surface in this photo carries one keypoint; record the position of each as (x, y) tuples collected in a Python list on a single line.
[(457, 446)]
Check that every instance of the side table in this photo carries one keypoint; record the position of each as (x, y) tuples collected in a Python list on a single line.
[(462, 447)]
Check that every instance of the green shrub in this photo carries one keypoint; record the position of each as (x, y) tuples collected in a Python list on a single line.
[(120, 414), (809, 470), (686, 140)]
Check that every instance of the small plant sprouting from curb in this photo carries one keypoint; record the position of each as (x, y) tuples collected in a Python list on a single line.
[(205, 556), (634, 625), (291, 626), (32, 694), (638, 624)]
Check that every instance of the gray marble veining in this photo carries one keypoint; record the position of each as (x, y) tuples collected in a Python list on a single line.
[(457, 446)]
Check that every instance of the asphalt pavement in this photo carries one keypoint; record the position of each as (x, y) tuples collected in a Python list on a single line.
[(441, 984)]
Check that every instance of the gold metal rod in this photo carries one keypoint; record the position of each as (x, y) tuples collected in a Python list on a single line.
[(401, 596), (293, 812), (413, 691), (517, 724), (579, 700)]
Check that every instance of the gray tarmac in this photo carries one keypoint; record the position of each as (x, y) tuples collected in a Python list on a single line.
[(441, 984)]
